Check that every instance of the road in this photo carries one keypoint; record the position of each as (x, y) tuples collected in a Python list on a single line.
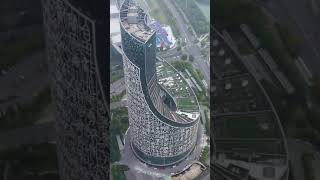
[(305, 22), (191, 48)]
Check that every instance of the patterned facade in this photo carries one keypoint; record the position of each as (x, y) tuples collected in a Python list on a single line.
[(155, 138), (81, 107)]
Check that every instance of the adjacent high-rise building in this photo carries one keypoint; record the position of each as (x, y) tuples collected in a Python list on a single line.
[(163, 111), (247, 135), (76, 41)]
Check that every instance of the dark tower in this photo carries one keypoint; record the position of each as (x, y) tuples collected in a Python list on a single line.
[(76, 41)]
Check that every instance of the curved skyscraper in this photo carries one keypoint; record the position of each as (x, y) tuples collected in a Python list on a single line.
[(163, 110)]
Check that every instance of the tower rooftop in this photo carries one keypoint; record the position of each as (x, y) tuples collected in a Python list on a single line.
[(134, 20)]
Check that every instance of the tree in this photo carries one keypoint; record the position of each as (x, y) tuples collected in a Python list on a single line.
[(205, 154), (118, 171), (191, 58), (184, 57), (178, 48)]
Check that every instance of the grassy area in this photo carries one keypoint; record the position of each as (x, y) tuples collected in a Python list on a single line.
[(118, 98), (160, 12), (186, 105), (116, 76), (205, 154), (119, 124), (245, 127), (28, 114), (185, 102), (118, 171), (177, 87), (201, 77), (13, 51)]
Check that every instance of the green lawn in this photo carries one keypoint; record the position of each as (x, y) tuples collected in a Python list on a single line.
[(116, 76)]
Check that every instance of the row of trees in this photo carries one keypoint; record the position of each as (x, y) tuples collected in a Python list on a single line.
[(118, 97), (189, 57), (197, 75), (118, 126), (117, 171)]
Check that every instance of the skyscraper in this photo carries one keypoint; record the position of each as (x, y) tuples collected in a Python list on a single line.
[(162, 130), (76, 41)]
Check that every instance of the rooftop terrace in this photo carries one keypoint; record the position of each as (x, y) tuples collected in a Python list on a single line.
[(185, 99), (133, 20)]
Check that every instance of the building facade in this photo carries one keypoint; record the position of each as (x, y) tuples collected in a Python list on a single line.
[(159, 136), (77, 62), (247, 135)]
